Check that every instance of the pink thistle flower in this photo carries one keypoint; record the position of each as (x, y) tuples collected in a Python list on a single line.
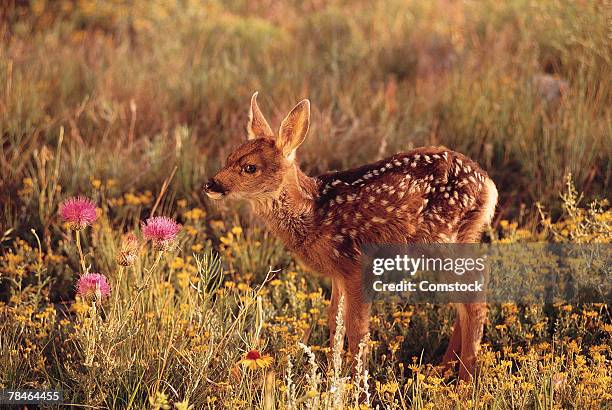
[(79, 212), (93, 285), (162, 231)]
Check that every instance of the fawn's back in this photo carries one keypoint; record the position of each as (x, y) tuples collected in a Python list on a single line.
[(429, 194)]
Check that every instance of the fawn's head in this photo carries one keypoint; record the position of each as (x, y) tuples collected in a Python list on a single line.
[(258, 168)]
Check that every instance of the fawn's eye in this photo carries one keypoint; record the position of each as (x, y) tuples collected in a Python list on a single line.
[(249, 169)]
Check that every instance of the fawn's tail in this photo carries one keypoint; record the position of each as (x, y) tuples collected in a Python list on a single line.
[(480, 217)]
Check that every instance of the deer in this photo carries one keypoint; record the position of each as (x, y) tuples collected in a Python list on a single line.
[(426, 195)]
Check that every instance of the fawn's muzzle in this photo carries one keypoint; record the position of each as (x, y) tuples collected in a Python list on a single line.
[(213, 189)]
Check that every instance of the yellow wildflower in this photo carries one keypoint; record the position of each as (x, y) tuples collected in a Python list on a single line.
[(254, 360)]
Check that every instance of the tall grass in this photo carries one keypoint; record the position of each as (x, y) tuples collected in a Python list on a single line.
[(169, 84)]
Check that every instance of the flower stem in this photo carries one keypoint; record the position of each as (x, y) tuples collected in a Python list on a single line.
[(81, 257), (118, 285), (157, 259), (149, 271)]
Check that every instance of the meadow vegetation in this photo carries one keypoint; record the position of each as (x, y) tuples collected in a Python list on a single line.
[(134, 104)]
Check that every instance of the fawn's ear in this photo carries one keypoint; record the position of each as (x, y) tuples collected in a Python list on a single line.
[(293, 129), (258, 126)]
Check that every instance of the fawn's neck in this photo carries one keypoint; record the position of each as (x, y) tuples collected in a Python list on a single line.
[(290, 212)]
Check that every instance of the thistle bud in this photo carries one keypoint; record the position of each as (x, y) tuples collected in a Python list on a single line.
[(129, 250)]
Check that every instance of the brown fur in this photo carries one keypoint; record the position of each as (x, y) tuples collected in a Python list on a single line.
[(427, 195)]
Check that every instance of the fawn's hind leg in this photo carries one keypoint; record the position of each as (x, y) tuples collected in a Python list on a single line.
[(453, 351), (472, 317)]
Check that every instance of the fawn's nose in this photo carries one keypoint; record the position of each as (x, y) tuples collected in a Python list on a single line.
[(209, 185), (213, 188)]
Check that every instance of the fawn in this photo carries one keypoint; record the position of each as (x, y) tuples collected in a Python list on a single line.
[(427, 195)]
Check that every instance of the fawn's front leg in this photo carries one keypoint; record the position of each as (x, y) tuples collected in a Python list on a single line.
[(332, 311), (356, 318)]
